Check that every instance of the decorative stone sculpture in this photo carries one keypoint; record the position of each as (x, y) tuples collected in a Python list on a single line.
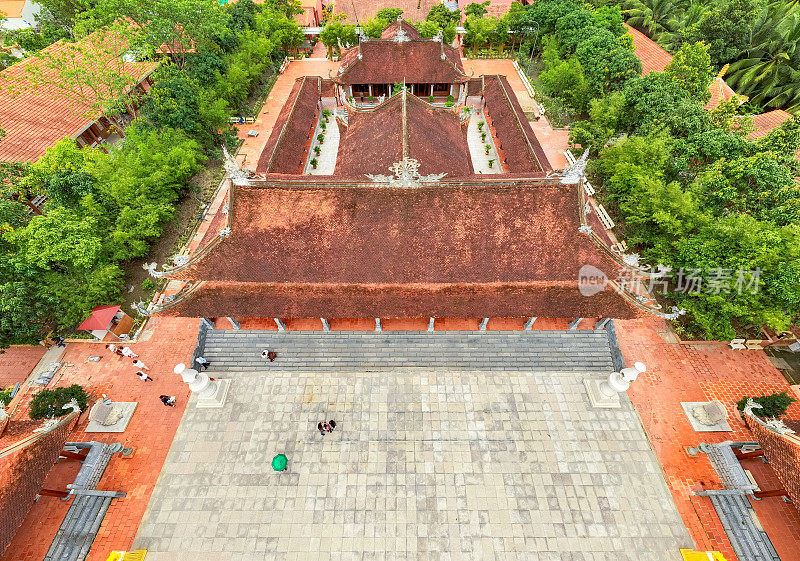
[(604, 394), (106, 415), (711, 413), (210, 393)]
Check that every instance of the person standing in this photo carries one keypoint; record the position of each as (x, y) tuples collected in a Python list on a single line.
[(59, 341), (144, 377), (168, 400), (139, 364), (202, 363), (112, 347), (128, 352), (321, 429), (332, 425)]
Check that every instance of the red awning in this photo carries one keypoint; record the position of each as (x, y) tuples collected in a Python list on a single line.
[(100, 318)]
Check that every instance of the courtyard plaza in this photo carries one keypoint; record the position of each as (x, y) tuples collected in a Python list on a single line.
[(426, 462)]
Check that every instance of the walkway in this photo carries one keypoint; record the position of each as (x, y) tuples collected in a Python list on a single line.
[(553, 141), (702, 372), (150, 433), (507, 351), (422, 465), (477, 152), (250, 151), (329, 149)]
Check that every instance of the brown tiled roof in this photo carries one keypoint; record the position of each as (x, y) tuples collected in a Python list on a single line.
[(385, 61), (521, 149), (392, 29), (720, 91), (362, 10), (653, 57), (35, 118), (765, 122), (218, 299), (448, 232), (285, 148), (375, 139)]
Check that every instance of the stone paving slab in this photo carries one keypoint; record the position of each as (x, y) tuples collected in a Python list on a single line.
[(500, 351), (421, 466)]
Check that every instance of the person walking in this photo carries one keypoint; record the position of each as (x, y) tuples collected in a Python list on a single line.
[(139, 364), (128, 352), (202, 363), (112, 347), (332, 425), (168, 400), (144, 377), (59, 341), (269, 355), (320, 429)]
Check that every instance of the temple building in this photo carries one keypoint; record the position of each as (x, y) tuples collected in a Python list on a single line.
[(404, 208)]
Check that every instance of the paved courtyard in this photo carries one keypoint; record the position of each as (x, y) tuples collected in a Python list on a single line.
[(421, 466)]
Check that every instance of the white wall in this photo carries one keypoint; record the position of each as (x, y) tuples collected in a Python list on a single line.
[(28, 19)]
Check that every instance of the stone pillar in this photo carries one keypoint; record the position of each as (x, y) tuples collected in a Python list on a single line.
[(236, 325), (483, 324), (370, 90), (431, 89), (210, 393), (575, 323), (529, 324), (451, 89), (325, 325), (431, 323), (602, 323), (378, 326), (280, 324)]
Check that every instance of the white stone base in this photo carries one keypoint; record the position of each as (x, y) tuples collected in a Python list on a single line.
[(597, 398), (218, 399)]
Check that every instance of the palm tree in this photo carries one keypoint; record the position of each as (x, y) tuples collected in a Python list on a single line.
[(654, 17)]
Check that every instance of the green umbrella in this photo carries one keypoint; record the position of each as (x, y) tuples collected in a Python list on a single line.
[(279, 462)]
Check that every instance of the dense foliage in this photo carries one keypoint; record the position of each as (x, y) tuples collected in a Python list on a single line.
[(50, 403), (106, 208), (773, 405), (721, 213)]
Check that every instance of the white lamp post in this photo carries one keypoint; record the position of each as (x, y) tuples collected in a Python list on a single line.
[(604, 394), (210, 393)]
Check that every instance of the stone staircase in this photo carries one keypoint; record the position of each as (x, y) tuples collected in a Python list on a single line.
[(342, 351)]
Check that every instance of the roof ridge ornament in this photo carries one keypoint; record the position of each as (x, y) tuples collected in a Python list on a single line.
[(575, 172), (400, 36), (406, 175), (237, 175)]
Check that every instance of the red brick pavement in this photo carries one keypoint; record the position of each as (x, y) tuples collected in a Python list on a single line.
[(701, 372), (17, 362), (150, 433)]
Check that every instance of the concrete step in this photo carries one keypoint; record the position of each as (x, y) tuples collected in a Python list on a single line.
[(519, 351)]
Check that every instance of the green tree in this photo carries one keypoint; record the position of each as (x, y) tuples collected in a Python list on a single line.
[(444, 17), (428, 29), (374, 28), (691, 69), (654, 101), (389, 14), (607, 61), (336, 32), (726, 27), (566, 81), (477, 9), (478, 32)]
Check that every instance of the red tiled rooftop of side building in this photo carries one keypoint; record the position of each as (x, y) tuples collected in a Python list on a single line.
[(654, 58), (36, 118), (766, 122)]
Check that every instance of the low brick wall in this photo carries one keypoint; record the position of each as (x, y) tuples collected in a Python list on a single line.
[(783, 454), (22, 474)]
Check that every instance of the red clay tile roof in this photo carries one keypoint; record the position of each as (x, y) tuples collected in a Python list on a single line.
[(219, 299), (362, 10), (653, 57), (285, 148), (765, 122), (720, 91), (36, 118), (385, 61), (374, 139), (521, 149), (468, 231), (392, 29), (453, 249)]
